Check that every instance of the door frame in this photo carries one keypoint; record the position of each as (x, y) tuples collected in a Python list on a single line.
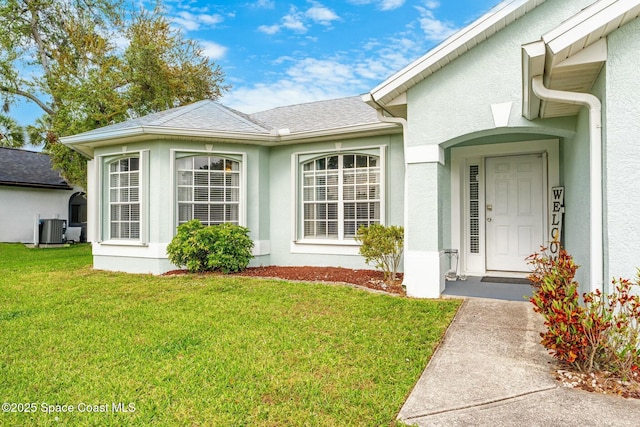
[(473, 263)]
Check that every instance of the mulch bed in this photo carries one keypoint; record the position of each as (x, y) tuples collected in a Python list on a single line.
[(370, 279), (600, 382)]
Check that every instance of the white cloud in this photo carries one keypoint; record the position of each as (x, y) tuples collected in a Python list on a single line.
[(381, 4), (265, 4), (327, 71), (269, 29), (213, 50), (435, 29), (298, 21), (294, 21), (390, 4), (193, 22), (321, 14), (313, 79)]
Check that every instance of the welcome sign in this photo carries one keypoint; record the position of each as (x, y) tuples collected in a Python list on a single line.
[(557, 212)]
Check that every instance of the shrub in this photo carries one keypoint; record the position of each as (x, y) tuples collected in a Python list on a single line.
[(599, 333), (224, 247), (383, 246)]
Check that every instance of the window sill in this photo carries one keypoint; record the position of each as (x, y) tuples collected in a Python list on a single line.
[(325, 247), (123, 243)]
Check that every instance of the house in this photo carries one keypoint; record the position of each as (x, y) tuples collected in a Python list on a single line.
[(31, 190), (517, 131)]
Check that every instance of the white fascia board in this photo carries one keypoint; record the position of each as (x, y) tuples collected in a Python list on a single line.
[(533, 61), (85, 143), (590, 25), (381, 128), (451, 48), (144, 132)]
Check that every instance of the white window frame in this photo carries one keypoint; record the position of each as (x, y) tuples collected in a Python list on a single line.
[(104, 201), (340, 246), (240, 157)]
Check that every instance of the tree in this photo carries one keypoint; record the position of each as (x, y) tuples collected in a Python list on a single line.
[(61, 55), (11, 134)]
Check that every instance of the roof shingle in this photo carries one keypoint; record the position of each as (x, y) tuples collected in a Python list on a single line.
[(29, 169)]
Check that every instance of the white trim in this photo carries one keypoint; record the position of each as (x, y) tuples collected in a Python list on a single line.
[(588, 26), (123, 242), (261, 247), (424, 273), (501, 113), (324, 248), (425, 154), (461, 157), (126, 249)]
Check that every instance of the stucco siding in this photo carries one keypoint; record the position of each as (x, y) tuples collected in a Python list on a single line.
[(457, 99), (622, 154), (575, 179), (19, 207)]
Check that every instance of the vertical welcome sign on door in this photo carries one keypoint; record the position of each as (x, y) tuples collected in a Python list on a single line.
[(557, 212)]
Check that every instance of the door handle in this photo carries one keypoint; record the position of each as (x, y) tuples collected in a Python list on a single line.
[(489, 207)]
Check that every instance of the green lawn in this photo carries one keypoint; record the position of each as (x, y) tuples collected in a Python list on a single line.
[(201, 350)]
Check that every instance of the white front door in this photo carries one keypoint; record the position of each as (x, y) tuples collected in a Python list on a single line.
[(514, 210)]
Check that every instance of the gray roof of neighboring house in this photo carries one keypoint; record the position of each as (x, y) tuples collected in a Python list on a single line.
[(211, 115), (23, 168)]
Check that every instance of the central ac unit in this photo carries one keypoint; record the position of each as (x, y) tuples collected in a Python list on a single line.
[(52, 231)]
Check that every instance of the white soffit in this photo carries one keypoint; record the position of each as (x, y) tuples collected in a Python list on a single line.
[(453, 47), (575, 52), (588, 26)]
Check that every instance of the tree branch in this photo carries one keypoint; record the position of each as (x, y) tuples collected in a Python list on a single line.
[(28, 96)]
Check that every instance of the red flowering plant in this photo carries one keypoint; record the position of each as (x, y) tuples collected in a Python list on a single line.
[(598, 332)]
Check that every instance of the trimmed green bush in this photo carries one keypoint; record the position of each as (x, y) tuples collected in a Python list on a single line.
[(224, 247), (383, 247)]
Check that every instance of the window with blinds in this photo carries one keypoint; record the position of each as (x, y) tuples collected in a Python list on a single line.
[(208, 189), (340, 193), (124, 198)]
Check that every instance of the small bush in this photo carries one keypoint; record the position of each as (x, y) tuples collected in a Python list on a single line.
[(383, 247), (598, 333), (224, 247)]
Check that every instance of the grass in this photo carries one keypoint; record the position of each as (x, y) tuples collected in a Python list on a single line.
[(202, 350)]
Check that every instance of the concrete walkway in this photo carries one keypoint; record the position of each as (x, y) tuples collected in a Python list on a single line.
[(490, 370)]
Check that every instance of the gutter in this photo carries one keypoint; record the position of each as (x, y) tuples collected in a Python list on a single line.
[(595, 168), (369, 98)]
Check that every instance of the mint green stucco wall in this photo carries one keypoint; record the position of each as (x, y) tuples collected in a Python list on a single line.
[(574, 177), (622, 154), (453, 107), (269, 200), (456, 100)]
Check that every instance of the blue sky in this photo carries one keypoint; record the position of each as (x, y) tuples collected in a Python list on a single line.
[(287, 52)]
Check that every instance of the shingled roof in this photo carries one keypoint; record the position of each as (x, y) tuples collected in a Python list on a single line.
[(21, 168), (209, 120), (210, 115)]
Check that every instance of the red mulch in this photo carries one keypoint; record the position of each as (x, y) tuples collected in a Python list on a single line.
[(370, 279)]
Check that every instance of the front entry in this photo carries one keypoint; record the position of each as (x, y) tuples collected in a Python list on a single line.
[(514, 197)]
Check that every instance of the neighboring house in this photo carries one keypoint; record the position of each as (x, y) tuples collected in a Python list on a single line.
[(465, 149), (30, 190)]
